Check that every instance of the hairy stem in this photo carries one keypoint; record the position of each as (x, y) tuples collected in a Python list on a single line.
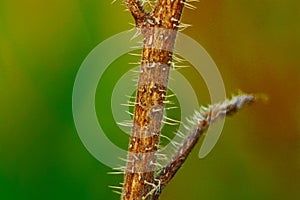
[(136, 9), (202, 122), (159, 32)]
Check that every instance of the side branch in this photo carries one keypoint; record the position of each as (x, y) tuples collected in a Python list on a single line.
[(203, 120), (137, 10)]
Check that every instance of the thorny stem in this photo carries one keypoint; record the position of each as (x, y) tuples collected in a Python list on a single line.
[(137, 10), (159, 32), (203, 120)]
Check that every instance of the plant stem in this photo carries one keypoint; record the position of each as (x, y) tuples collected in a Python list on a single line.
[(159, 33), (202, 122), (159, 29)]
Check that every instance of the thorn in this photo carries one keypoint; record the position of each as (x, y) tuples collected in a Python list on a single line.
[(174, 19), (115, 173), (168, 102), (190, 121), (170, 108), (135, 157), (115, 187), (126, 160), (117, 192), (169, 123), (185, 126), (134, 54), (180, 60), (180, 134), (177, 67), (129, 105), (137, 47), (151, 184), (131, 24), (182, 26), (134, 63), (130, 97), (113, 1), (135, 71), (204, 109), (126, 124), (122, 168), (189, 6), (173, 120), (162, 156), (131, 114), (168, 96), (137, 34), (156, 164), (155, 187), (175, 144), (166, 137)]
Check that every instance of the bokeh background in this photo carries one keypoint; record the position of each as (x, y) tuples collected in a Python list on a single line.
[(256, 45)]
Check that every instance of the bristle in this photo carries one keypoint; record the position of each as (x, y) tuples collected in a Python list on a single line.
[(137, 33), (115, 173), (179, 134), (122, 168), (182, 26), (117, 192), (180, 60), (189, 6), (177, 67), (169, 123), (126, 160), (170, 95), (170, 108), (129, 113), (127, 105), (134, 54), (161, 156), (134, 63), (115, 187), (137, 47), (130, 97), (171, 119), (155, 188), (166, 137), (175, 144), (125, 123), (168, 102), (156, 164)]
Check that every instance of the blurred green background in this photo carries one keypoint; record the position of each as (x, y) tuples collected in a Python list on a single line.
[(256, 45)]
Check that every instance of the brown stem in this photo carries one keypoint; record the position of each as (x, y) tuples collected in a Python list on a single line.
[(159, 33), (203, 121), (137, 10)]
